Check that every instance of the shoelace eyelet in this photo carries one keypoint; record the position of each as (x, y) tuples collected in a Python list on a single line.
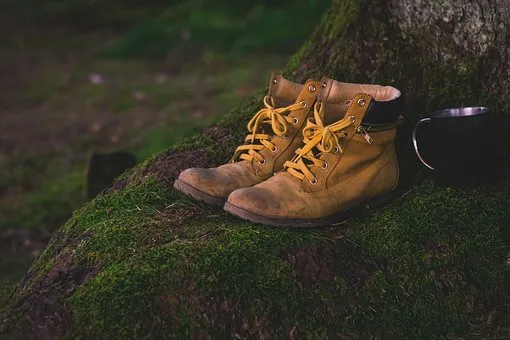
[(274, 149), (324, 166), (295, 120), (313, 181), (336, 149), (262, 162), (352, 119), (361, 102), (303, 104)]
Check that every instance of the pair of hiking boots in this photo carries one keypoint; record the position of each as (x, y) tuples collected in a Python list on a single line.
[(317, 154)]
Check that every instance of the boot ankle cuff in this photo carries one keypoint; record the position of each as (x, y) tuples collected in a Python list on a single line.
[(383, 112)]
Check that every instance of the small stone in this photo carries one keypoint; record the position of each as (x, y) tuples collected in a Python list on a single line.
[(161, 78), (197, 114), (95, 127), (139, 95), (115, 138), (96, 78)]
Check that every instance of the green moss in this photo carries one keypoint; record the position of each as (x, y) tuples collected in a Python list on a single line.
[(137, 250), (445, 251), (160, 268), (335, 22), (210, 246)]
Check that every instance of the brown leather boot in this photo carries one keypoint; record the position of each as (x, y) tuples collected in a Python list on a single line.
[(340, 169), (275, 134)]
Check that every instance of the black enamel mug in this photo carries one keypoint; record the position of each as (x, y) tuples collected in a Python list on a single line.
[(459, 145)]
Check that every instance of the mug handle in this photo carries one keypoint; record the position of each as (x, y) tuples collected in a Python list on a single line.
[(415, 142)]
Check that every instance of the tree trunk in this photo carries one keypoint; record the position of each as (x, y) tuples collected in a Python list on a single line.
[(141, 260)]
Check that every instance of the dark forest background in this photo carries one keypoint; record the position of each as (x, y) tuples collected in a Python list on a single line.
[(80, 77)]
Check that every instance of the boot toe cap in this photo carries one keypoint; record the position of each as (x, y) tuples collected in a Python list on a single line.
[(255, 200), (203, 180), (212, 181), (190, 176)]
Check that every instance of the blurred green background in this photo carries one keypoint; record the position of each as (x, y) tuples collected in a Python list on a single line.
[(85, 76)]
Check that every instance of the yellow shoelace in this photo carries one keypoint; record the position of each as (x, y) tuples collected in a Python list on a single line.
[(320, 137), (258, 141)]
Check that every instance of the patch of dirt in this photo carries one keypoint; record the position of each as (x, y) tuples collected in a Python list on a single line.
[(212, 314), (338, 259), (208, 316), (166, 166), (205, 313), (60, 241), (38, 302), (217, 133), (43, 309)]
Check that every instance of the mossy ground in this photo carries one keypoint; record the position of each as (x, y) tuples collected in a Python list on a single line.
[(173, 267), (433, 264)]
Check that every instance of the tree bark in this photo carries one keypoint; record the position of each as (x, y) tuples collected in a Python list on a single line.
[(141, 260)]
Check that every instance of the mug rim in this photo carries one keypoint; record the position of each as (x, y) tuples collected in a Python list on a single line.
[(460, 112)]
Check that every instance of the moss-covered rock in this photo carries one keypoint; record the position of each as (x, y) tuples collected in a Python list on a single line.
[(142, 261)]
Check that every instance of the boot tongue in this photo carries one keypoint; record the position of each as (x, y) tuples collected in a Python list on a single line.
[(336, 96), (283, 91)]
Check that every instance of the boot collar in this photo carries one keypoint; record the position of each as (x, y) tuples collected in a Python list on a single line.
[(385, 107), (283, 91)]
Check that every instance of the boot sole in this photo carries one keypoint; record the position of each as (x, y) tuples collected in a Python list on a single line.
[(192, 192), (365, 208)]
